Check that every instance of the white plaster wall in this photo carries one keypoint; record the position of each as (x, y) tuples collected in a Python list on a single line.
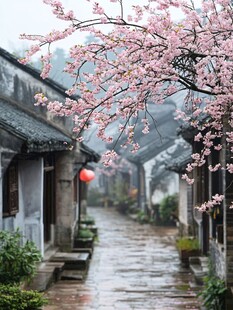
[(172, 187), (148, 166), (183, 202), (31, 200)]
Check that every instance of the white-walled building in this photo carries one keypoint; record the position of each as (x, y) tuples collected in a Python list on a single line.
[(39, 160)]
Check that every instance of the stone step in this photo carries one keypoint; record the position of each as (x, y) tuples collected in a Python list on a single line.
[(73, 275), (47, 273), (199, 267), (72, 261), (83, 250), (41, 282), (49, 252), (57, 267)]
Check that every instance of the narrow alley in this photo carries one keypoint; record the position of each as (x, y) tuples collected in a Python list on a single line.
[(133, 267)]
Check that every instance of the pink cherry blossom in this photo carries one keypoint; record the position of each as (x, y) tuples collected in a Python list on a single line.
[(230, 168), (207, 206), (187, 179), (40, 99), (214, 168), (152, 57)]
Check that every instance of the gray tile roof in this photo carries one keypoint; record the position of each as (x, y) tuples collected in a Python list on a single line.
[(38, 135), (90, 153), (162, 134), (33, 72), (179, 163)]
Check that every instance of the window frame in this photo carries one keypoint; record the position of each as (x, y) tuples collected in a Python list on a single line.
[(11, 190)]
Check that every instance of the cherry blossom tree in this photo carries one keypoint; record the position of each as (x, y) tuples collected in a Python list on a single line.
[(148, 56)]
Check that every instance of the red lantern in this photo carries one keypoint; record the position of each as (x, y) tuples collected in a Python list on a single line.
[(86, 175)]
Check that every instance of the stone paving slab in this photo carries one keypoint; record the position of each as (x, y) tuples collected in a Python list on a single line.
[(133, 267)]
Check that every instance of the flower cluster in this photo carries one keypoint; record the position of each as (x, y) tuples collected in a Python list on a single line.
[(207, 206), (147, 58)]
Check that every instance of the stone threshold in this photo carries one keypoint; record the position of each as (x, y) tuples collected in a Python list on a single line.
[(60, 266), (199, 267), (47, 273)]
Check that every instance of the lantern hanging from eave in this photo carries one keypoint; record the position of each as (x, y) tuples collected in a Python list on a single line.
[(86, 175)]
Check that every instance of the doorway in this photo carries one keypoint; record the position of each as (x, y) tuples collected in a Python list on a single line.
[(49, 199)]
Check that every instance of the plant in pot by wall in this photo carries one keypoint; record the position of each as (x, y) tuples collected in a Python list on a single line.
[(84, 238), (85, 233), (87, 220), (187, 247)]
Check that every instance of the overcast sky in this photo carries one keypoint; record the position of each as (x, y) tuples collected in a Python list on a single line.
[(34, 17), (31, 17)]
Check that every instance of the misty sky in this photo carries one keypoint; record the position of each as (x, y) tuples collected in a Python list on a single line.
[(28, 16), (34, 17)]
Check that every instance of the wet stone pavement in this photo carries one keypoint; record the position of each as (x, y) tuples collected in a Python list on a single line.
[(133, 267)]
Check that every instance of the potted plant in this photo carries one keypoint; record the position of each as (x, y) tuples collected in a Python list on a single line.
[(85, 233), (187, 247), (84, 238), (87, 220)]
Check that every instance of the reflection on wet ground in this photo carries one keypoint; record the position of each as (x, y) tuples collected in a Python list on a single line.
[(133, 267)]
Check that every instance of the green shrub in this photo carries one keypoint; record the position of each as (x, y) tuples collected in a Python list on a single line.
[(13, 298), (168, 208), (85, 233), (213, 294), (121, 197), (17, 262), (142, 217), (187, 244)]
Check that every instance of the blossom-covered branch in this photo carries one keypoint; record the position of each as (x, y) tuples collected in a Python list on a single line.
[(147, 56)]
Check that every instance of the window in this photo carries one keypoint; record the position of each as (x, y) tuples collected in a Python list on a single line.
[(10, 190)]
